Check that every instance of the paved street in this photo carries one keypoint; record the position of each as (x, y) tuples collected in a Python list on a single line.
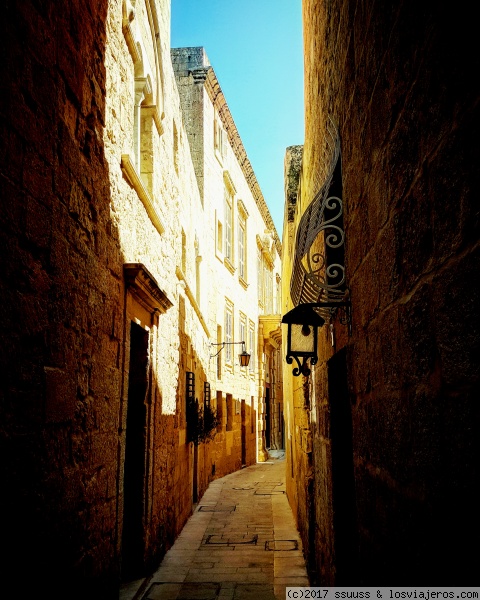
[(241, 543)]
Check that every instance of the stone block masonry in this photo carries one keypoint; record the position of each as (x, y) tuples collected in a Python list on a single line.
[(393, 410), (108, 265)]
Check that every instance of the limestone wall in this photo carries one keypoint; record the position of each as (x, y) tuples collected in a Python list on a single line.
[(393, 415), (112, 294), (220, 164)]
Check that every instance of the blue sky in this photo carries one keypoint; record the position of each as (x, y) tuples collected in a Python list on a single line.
[(256, 49)]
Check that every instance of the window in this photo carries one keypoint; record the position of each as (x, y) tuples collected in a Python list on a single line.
[(220, 140), (218, 230), (219, 237), (228, 233), (143, 131), (145, 108), (265, 282), (228, 333), (228, 226), (242, 238)]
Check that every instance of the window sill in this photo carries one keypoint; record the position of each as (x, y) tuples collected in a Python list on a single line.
[(229, 265), (229, 368), (133, 178), (193, 302)]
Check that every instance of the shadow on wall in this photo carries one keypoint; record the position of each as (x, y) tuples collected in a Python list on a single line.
[(66, 337), (231, 444), (61, 288)]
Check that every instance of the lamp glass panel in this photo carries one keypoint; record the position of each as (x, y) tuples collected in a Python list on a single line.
[(244, 359), (303, 338)]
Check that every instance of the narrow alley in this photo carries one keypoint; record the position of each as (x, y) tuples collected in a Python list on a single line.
[(161, 335), (241, 542)]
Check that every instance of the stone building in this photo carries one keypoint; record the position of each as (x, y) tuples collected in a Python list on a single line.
[(116, 281), (382, 215), (241, 258)]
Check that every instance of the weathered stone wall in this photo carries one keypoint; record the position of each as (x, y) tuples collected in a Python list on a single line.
[(299, 473), (62, 299), (71, 220), (398, 82), (218, 168), (97, 173)]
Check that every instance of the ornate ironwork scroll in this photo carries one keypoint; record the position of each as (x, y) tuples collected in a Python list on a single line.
[(319, 265)]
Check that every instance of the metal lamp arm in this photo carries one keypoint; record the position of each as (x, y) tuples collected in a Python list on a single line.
[(223, 344)]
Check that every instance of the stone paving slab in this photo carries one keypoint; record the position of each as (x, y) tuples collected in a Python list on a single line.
[(241, 543), (211, 591)]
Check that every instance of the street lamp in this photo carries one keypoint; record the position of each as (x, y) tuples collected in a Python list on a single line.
[(243, 357), (303, 322)]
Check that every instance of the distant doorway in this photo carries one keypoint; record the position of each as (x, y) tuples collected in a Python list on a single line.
[(133, 544), (343, 492)]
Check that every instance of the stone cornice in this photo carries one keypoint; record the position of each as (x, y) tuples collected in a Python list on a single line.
[(242, 208), (144, 286), (199, 74), (272, 331)]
